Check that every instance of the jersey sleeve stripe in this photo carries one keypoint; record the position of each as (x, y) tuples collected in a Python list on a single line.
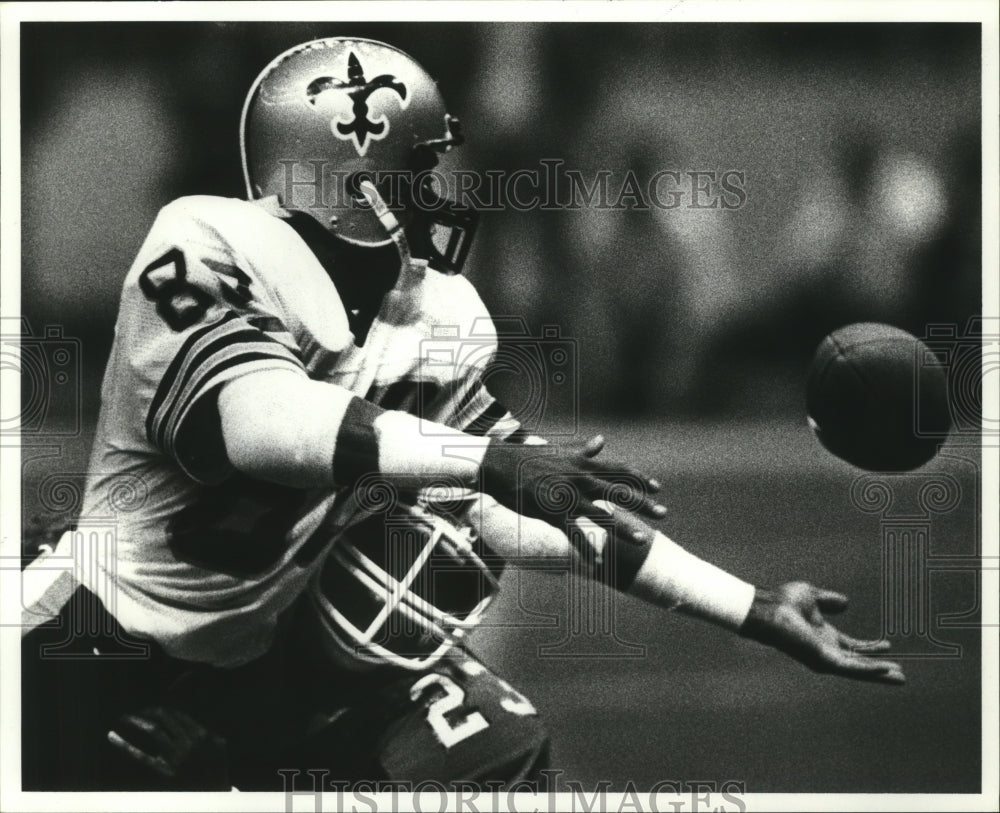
[(473, 403), (476, 389), (483, 423), (505, 427), (212, 375), (226, 340), (198, 379), (476, 412), (171, 374), (419, 398), (220, 372)]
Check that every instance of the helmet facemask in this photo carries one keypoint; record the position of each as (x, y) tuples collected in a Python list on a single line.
[(403, 587)]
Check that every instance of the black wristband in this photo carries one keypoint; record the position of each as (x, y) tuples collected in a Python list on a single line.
[(355, 453)]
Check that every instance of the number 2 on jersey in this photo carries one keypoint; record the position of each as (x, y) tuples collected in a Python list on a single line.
[(448, 716), (445, 713)]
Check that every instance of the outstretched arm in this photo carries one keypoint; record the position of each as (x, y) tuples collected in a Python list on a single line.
[(790, 618), (281, 426)]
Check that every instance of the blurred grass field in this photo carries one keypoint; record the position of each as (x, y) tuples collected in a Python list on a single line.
[(763, 500)]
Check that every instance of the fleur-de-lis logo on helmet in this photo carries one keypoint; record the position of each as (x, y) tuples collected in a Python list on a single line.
[(359, 129)]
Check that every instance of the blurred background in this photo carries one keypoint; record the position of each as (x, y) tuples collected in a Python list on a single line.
[(860, 148), (693, 328)]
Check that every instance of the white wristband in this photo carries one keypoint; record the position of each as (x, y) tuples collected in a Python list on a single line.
[(672, 577)]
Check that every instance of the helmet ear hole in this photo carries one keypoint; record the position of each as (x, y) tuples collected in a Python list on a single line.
[(353, 186), (422, 158)]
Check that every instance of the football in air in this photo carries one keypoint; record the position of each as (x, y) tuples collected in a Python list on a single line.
[(877, 397)]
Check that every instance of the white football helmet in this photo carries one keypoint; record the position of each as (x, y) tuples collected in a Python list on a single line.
[(326, 115), (404, 585)]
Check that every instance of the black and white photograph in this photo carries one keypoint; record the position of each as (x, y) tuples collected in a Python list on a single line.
[(499, 406)]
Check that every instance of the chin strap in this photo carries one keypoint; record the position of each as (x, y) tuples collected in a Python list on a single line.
[(409, 265), (400, 305)]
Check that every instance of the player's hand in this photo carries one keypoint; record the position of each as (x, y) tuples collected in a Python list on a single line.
[(561, 483), (175, 746), (791, 619)]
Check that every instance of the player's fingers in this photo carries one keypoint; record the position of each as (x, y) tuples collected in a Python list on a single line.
[(170, 722), (192, 728), (629, 527), (148, 733), (193, 733), (158, 764), (859, 645), (140, 722), (651, 508), (636, 533), (830, 601), (142, 725), (624, 494), (860, 667), (893, 677), (188, 723), (635, 502), (617, 472), (886, 673), (593, 447)]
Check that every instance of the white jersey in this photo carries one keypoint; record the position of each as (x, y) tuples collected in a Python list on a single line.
[(188, 551)]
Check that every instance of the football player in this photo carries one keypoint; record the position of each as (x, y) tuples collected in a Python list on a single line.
[(301, 493)]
